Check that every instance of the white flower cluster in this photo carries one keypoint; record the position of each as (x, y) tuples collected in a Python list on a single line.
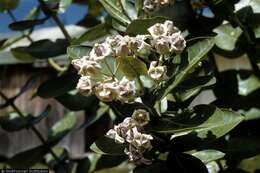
[(130, 132), (154, 5), (163, 38)]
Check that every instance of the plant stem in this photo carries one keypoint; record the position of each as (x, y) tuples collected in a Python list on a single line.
[(56, 20), (32, 127), (55, 65)]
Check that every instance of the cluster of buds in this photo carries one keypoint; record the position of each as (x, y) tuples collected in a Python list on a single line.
[(167, 38), (154, 5), (164, 39), (130, 132)]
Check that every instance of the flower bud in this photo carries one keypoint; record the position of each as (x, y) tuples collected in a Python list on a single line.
[(85, 85), (114, 135), (157, 30), (133, 154), (119, 133), (157, 72), (151, 5), (141, 141), (178, 43), (169, 27), (100, 51), (78, 63), (126, 91), (91, 68), (106, 92), (141, 117), (163, 45)]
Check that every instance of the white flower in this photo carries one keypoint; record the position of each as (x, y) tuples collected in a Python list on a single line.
[(157, 72), (133, 154), (120, 130), (139, 140), (78, 63), (85, 85), (164, 2), (127, 90), (114, 135), (107, 92), (151, 5), (90, 67), (138, 45), (157, 30), (163, 45), (141, 116), (178, 43), (169, 27), (100, 51)]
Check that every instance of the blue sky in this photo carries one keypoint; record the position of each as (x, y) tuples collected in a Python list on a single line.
[(73, 14)]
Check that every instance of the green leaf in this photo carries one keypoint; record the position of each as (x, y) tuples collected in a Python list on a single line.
[(196, 53), (93, 118), (118, 26), (58, 86), (227, 36), (250, 164), (207, 156), (27, 158), (132, 67), (61, 128), (26, 24), (156, 167), (60, 152), (140, 26), (75, 102), (105, 145), (129, 8), (109, 161), (249, 85), (193, 86), (113, 9), (251, 114), (77, 51), (182, 162), (138, 5), (63, 5), (201, 121), (257, 31), (42, 49), (92, 34), (8, 5), (243, 147), (14, 122), (255, 4)]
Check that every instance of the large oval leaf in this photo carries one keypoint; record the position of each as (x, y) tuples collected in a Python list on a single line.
[(140, 26), (58, 86), (14, 122), (132, 67), (196, 53), (75, 52), (207, 156), (112, 7), (204, 120), (105, 145), (227, 36), (62, 128)]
